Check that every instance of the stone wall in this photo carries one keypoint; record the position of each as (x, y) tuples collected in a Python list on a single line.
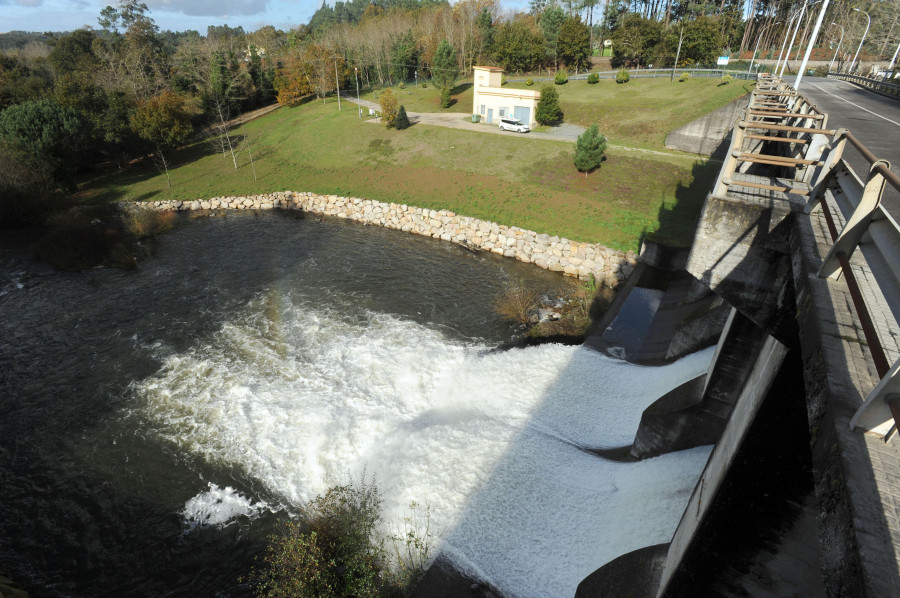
[(549, 252)]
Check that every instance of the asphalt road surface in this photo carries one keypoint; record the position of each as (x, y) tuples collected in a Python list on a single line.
[(872, 118)]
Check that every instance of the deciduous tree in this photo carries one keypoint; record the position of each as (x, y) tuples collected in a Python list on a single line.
[(164, 124)]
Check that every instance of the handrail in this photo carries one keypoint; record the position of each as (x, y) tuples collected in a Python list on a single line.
[(880, 85), (803, 150)]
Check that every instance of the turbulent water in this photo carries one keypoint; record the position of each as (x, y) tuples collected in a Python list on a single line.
[(156, 425)]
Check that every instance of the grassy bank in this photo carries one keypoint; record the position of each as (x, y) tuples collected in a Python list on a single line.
[(639, 113), (513, 180)]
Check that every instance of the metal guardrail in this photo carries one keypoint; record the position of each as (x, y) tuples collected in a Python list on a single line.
[(797, 142), (875, 84), (656, 73)]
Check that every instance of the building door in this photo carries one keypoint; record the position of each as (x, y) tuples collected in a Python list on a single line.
[(523, 114), (490, 116)]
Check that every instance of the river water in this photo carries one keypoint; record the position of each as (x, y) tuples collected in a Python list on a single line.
[(156, 425)]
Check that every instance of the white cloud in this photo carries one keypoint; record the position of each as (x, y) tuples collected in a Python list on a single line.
[(209, 8)]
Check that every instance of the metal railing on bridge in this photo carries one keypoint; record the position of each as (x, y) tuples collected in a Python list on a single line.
[(782, 148), (879, 84)]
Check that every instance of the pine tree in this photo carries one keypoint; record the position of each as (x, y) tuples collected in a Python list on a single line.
[(548, 110), (589, 150), (402, 121)]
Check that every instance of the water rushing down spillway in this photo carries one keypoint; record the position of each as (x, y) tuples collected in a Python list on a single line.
[(273, 377)]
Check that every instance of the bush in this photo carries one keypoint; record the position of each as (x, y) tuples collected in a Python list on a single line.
[(548, 110), (445, 98), (402, 85), (402, 121), (337, 553), (684, 77), (622, 76), (517, 303), (593, 78), (503, 81), (726, 79), (389, 107), (529, 82), (562, 77), (424, 85)]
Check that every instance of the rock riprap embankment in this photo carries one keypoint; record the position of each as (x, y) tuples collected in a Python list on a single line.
[(545, 251)]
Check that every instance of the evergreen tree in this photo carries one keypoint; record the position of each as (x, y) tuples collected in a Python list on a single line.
[(444, 71), (548, 110), (589, 150), (402, 121), (389, 107)]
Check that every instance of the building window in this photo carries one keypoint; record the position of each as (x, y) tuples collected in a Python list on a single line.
[(482, 108), (502, 112)]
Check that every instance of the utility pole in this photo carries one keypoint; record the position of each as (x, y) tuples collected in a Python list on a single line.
[(678, 53), (337, 84), (358, 105)]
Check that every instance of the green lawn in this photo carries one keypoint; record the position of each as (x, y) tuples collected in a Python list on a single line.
[(513, 180), (638, 114)]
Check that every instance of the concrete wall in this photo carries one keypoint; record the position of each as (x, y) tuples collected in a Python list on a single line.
[(708, 135), (753, 393)]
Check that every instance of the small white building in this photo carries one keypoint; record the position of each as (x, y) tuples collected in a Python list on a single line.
[(493, 101)]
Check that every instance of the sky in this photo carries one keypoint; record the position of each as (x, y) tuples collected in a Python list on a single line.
[(176, 15)]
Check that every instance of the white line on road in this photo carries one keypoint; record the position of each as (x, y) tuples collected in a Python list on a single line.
[(857, 105)]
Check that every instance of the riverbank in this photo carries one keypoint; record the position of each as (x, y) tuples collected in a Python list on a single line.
[(572, 258)]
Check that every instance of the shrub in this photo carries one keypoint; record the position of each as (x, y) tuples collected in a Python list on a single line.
[(336, 554), (424, 85), (562, 77), (726, 79), (593, 78), (445, 98), (622, 76), (503, 81), (684, 77), (548, 110), (402, 85), (402, 121), (529, 82), (516, 303), (389, 107)]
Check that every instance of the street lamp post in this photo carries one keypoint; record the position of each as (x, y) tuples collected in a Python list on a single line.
[(793, 37), (862, 41), (417, 78), (890, 69), (783, 44), (761, 33), (838, 47), (812, 42)]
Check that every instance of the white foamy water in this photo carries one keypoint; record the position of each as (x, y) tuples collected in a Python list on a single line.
[(492, 442), (219, 506)]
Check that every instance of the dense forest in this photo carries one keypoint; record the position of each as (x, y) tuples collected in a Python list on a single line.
[(74, 100)]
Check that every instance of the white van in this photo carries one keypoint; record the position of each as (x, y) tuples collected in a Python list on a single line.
[(507, 123)]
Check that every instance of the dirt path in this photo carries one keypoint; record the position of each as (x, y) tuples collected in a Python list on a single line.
[(457, 120)]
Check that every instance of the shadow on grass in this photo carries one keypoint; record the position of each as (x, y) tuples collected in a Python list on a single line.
[(678, 221)]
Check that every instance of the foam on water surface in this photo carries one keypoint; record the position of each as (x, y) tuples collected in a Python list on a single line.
[(219, 507), (300, 397)]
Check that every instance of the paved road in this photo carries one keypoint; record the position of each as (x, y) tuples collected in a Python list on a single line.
[(873, 119)]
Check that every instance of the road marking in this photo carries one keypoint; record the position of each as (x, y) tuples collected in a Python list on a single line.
[(857, 105)]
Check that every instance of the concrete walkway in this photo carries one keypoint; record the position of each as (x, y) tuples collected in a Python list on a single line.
[(566, 132)]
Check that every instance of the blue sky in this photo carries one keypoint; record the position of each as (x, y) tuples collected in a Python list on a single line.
[(177, 15)]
